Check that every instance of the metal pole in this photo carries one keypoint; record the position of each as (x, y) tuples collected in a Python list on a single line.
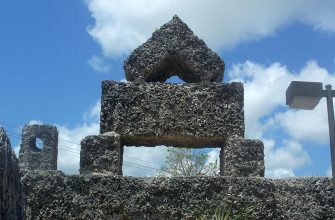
[(331, 124)]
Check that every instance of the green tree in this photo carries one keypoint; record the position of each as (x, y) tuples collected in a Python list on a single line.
[(188, 162)]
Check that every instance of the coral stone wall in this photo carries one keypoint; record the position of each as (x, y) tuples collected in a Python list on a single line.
[(53, 195)]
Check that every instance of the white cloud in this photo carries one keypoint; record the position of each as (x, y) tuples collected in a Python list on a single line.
[(279, 173), (143, 161), (37, 122), (329, 172), (306, 125), (264, 91), (93, 115), (69, 145), (70, 138), (265, 111), (120, 26), (281, 161), (99, 64), (290, 156), (213, 155)]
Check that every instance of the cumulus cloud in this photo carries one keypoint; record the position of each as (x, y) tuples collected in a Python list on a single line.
[(265, 111), (99, 64), (279, 173), (329, 172), (306, 125), (143, 161), (265, 88), (281, 161), (69, 145), (120, 26), (37, 122), (213, 155), (93, 115), (70, 138)]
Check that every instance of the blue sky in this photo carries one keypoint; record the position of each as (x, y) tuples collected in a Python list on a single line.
[(54, 55)]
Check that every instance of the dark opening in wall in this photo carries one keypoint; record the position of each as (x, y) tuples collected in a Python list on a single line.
[(170, 161)]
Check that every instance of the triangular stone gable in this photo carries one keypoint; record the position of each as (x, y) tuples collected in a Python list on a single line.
[(173, 50)]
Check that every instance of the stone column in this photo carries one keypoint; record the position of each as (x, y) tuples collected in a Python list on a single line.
[(11, 203), (33, 158), (242, 158), (101, 154)]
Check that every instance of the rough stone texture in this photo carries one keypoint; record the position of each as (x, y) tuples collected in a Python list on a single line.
[(243, 158), (31, 157), (101, 154), (11, 203), (189, 115), (53, 195), (313, 196), (174, 50)]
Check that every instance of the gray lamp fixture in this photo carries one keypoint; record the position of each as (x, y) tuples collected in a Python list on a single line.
[(306, 95), (303, 95)]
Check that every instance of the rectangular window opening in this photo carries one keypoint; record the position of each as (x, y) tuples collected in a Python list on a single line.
[(170, 161)]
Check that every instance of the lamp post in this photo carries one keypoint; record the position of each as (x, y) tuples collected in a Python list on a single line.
[(306, 95)]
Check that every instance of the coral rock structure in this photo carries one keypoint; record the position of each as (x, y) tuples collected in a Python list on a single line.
[(101, 154), (33, 158), (188, 115), (96, 197), (11, 201), (201, 113), (174, 50), (243, 157)]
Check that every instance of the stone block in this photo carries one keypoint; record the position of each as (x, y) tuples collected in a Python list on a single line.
[(173, 49), (33, 158), (186, 115), (101, 154), (242, 158), (11, 195)]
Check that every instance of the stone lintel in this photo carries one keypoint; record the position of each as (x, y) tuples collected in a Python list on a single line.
[(101, 154), (242, 158), (175, 141), (177, 114)]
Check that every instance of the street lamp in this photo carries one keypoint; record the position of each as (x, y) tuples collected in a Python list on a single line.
[(306, 95)]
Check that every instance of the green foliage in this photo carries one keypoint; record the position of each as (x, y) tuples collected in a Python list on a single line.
[(220, 214), (188, 162)]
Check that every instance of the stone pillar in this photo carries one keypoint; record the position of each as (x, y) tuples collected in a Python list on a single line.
[(221, 158), (11, 203), (33, 158), (242, 158), (101, 154)]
